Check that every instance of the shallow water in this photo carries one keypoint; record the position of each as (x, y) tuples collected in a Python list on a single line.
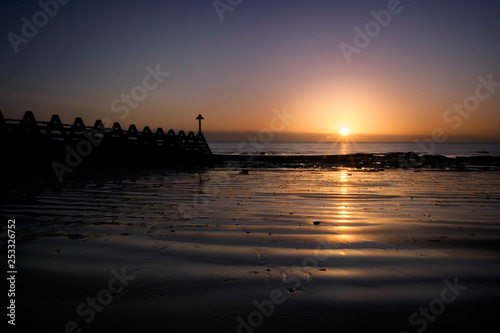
[(208, 244), (347, 147)]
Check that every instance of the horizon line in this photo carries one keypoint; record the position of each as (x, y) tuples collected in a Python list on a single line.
[(233, 136)]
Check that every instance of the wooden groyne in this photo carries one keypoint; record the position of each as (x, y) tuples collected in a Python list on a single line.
[(27, 143)]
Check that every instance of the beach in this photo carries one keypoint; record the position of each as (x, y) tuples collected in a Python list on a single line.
[(269, 249), (250, 167)]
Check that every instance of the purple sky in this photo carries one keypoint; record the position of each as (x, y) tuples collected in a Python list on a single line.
[(94, 59)]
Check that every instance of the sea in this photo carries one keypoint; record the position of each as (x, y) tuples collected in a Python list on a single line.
[(450, 149)]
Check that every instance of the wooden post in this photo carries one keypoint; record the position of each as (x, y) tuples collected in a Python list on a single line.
[(200, 118)]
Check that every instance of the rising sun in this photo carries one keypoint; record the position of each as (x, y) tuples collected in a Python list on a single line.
[(344, 131)]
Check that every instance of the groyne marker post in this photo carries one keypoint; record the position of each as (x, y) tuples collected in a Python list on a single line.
[(200, 118)]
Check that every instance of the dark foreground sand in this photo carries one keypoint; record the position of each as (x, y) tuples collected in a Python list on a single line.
[(284, 250)]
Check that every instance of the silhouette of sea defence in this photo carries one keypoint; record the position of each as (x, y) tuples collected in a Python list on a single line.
[(28, 145)]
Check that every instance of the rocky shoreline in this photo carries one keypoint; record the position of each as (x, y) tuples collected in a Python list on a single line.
[(364, 161)]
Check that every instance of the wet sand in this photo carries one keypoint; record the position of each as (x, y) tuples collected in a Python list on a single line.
[(342, 249)]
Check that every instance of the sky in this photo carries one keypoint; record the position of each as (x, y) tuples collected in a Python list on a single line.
[(305, 70)]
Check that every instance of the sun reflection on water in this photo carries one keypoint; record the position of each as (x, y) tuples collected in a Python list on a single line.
[(344, 149), (343, 209), (344, 176)]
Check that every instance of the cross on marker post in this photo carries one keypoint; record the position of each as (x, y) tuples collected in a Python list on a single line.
[(200, 118)]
